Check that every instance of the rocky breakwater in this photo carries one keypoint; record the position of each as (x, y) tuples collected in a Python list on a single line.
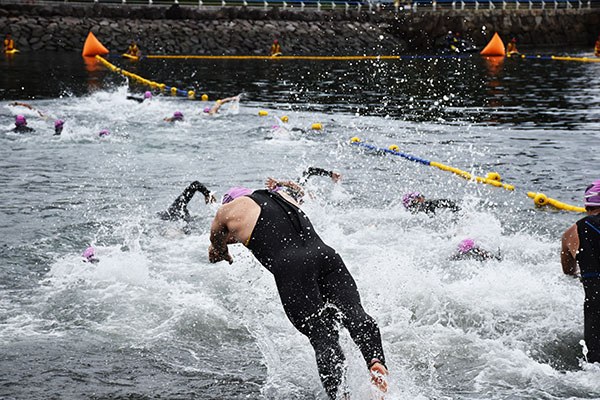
[(250, 31)]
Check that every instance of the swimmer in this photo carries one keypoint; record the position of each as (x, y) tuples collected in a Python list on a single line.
[(316, 289), (21, 125), (416, 202), (219, 104), (58, 127), (88, 256), (178, 210), (580, 257), (177, 116), (104, 132), (147, 96), (469, 250), (16, 103)]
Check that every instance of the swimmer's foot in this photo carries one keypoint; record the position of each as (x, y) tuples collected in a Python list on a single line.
[(379, 375)]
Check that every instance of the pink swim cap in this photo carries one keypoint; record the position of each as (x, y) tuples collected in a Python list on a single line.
[(234, 193), (410, 199), (178, 115), (104, 132), (206, 109), (59, 122), (592, 194), (466, 245), (147, 94), (88, 254), (20, 120)]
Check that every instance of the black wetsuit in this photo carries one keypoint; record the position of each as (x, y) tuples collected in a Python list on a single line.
[(430, 206), (588, 259), (138, 99), (23, 129), (178, 210), (311, 276), (476, 254)]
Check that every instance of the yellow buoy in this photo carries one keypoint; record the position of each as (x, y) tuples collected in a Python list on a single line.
[(204, 97), (540, 199), (355, 140), (174, 90), (394, 148), (191, 94), (493, 176), (162, 86), (262, 113), (317, 126), (508, 187), (285, 118)]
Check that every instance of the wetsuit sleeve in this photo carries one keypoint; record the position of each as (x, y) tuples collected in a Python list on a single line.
[(316, 171), (135, 98)]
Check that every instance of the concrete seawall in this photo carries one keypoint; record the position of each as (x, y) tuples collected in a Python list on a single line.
[(250, 31)]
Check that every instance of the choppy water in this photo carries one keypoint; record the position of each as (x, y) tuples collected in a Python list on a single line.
[(153, 319)]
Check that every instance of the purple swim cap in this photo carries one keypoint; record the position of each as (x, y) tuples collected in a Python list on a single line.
[(275, 127), (466, 245), (592, 195), (178, 115), (104, 132), (234, 193), (147, 94), (206, 109), (59, 122), (410, 199), (20, 120), (88, 254)]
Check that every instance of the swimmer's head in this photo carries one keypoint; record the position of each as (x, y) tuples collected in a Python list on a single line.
[(88, 254), (234, 193), (275, 41), (592, 195), (147, 94), (514, 40), (59, 123), (410, 199), (20, 120), (206, 109), (466, 245), (104, 132), (177, 115)]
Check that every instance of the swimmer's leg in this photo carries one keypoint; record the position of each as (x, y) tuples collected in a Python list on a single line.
[(305, 308), (338, 287)]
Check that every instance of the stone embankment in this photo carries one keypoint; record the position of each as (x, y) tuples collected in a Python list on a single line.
[(250, 31)]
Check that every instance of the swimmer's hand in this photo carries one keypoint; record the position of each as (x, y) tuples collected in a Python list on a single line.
[(336, 177), (214, 256), (271, 183), (210, 199)]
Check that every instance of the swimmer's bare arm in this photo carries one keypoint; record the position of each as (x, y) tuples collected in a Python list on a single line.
[(219, 237), (570, 244), (16, 103), (217, 106)]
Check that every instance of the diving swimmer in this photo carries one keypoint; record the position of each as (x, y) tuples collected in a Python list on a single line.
[(178, 210), (580, 257), (21, 125), (147, 96), (177, 116), (310, 277), (58, 127), (416, 202), (215, 109), (469, 250)]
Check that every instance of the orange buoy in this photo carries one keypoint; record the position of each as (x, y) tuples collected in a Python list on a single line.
[(92, 47), (495, 47)]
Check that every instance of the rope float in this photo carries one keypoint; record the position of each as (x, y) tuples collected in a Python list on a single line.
[(197, 57), (538, 57), (492, 178), (176, 92)]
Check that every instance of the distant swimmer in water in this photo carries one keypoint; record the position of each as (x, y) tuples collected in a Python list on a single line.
[(147, 96), (178, 210), (415, 202), (58, 127), (16, 103), (580, 257), (104, 132), (469, 250), (511, 48), (215, 109), (177, 116), (21, 125), (88, 256), (315, 287), (296, 190)]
